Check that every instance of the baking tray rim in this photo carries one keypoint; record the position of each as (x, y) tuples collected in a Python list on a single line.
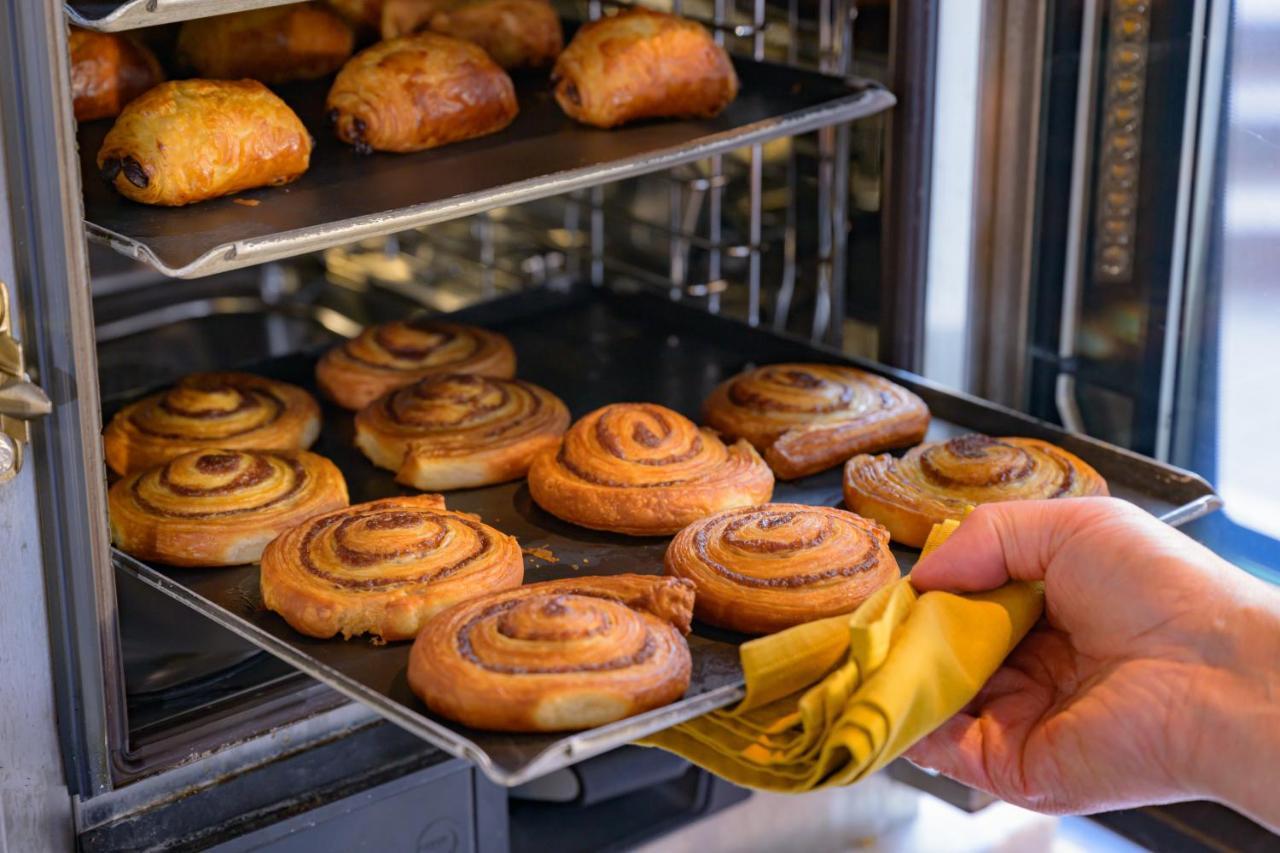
[(134, 14), (869, 99)]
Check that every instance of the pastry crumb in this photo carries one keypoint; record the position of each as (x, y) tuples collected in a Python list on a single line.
[(542, 554), (247, 202)]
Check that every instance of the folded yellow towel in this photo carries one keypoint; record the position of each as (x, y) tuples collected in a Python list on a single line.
[(832, 701)]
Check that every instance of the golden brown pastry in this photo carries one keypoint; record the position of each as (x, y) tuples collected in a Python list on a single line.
[(277, 45), (762, 569), (384, 568), (239, 411), (383, 358), (642, 64), (518, 34), (419, 92), (458, 431), (366, 14), (108, 70), (805, 418), (645, 470), (191, 140), (220, 507), (941, 480), (557, 656)]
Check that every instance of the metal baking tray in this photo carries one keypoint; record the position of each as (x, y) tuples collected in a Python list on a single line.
[(131, 14), (346, 196), (592, 348)]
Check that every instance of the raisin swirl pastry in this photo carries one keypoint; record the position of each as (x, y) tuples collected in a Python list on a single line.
[(761, 569), (220, 507), (644, 470), (384, 567), (941, 480), (383, 358), (557, 656), (457, 431), (227, 410), (806, 418)]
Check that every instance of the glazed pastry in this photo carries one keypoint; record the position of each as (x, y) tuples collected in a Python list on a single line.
[(383, 358), (557, 656), (644, 470), (941, 480), (190, 140), (762, 569), (384, 568), (457, 431), (108, 70), (276, 45), (366, 14), (805, 418), (239, 411), (516, 33), (642, 64), (220, 507), (419, 92)]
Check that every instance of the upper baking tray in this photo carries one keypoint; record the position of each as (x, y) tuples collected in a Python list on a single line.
[(592, 349), (131, 14), (346, 196)]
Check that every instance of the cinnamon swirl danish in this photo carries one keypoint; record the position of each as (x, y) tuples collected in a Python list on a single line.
[(761, 569), (384, 567), (383, 358), (557, 656), (456, 431), (644, 470), (236, 411), (220, 507), (941, 480), (805, 418)]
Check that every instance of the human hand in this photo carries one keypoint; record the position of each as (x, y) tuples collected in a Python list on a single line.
[(1152, 677)]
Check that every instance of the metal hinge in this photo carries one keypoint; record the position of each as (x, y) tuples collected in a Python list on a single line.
[(21, 401)]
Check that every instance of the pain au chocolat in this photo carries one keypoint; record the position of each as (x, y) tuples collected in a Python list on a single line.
[(806, 418), (237, 411), (557, 656), (762, 569), (941, 480), (384, 568), (301, 41), (517, 34), (191, 140), (419, 92), (642, 64), (458, 431), (220, 507), (644, 470), (108, 70), (383, 358)]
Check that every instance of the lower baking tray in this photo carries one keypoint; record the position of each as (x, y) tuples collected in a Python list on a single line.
[(592, 348)]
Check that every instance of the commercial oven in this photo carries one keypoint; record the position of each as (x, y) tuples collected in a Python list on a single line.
[(1055, 288)]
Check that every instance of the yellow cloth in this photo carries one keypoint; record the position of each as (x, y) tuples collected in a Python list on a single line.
[(832, 701)]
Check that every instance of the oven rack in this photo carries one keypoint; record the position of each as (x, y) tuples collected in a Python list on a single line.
[(108, 17), (584, 345)]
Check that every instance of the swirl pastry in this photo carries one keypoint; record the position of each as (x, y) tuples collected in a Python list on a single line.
[(645, 470), (383, 358), (277, 45), (557, 656), (220, 507), (515, 33), (761, 569), (384, 568), (457, 431), (108, 70), (805, 418), (419, 92), (642, 64), (190, 140), (238, 411), (941, 480)]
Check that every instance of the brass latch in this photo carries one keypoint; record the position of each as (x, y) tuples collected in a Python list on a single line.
[(20, 401)]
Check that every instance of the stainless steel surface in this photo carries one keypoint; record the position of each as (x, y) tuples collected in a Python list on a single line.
[(21, 401), (131, 14), (346, 196), (686, 352)]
